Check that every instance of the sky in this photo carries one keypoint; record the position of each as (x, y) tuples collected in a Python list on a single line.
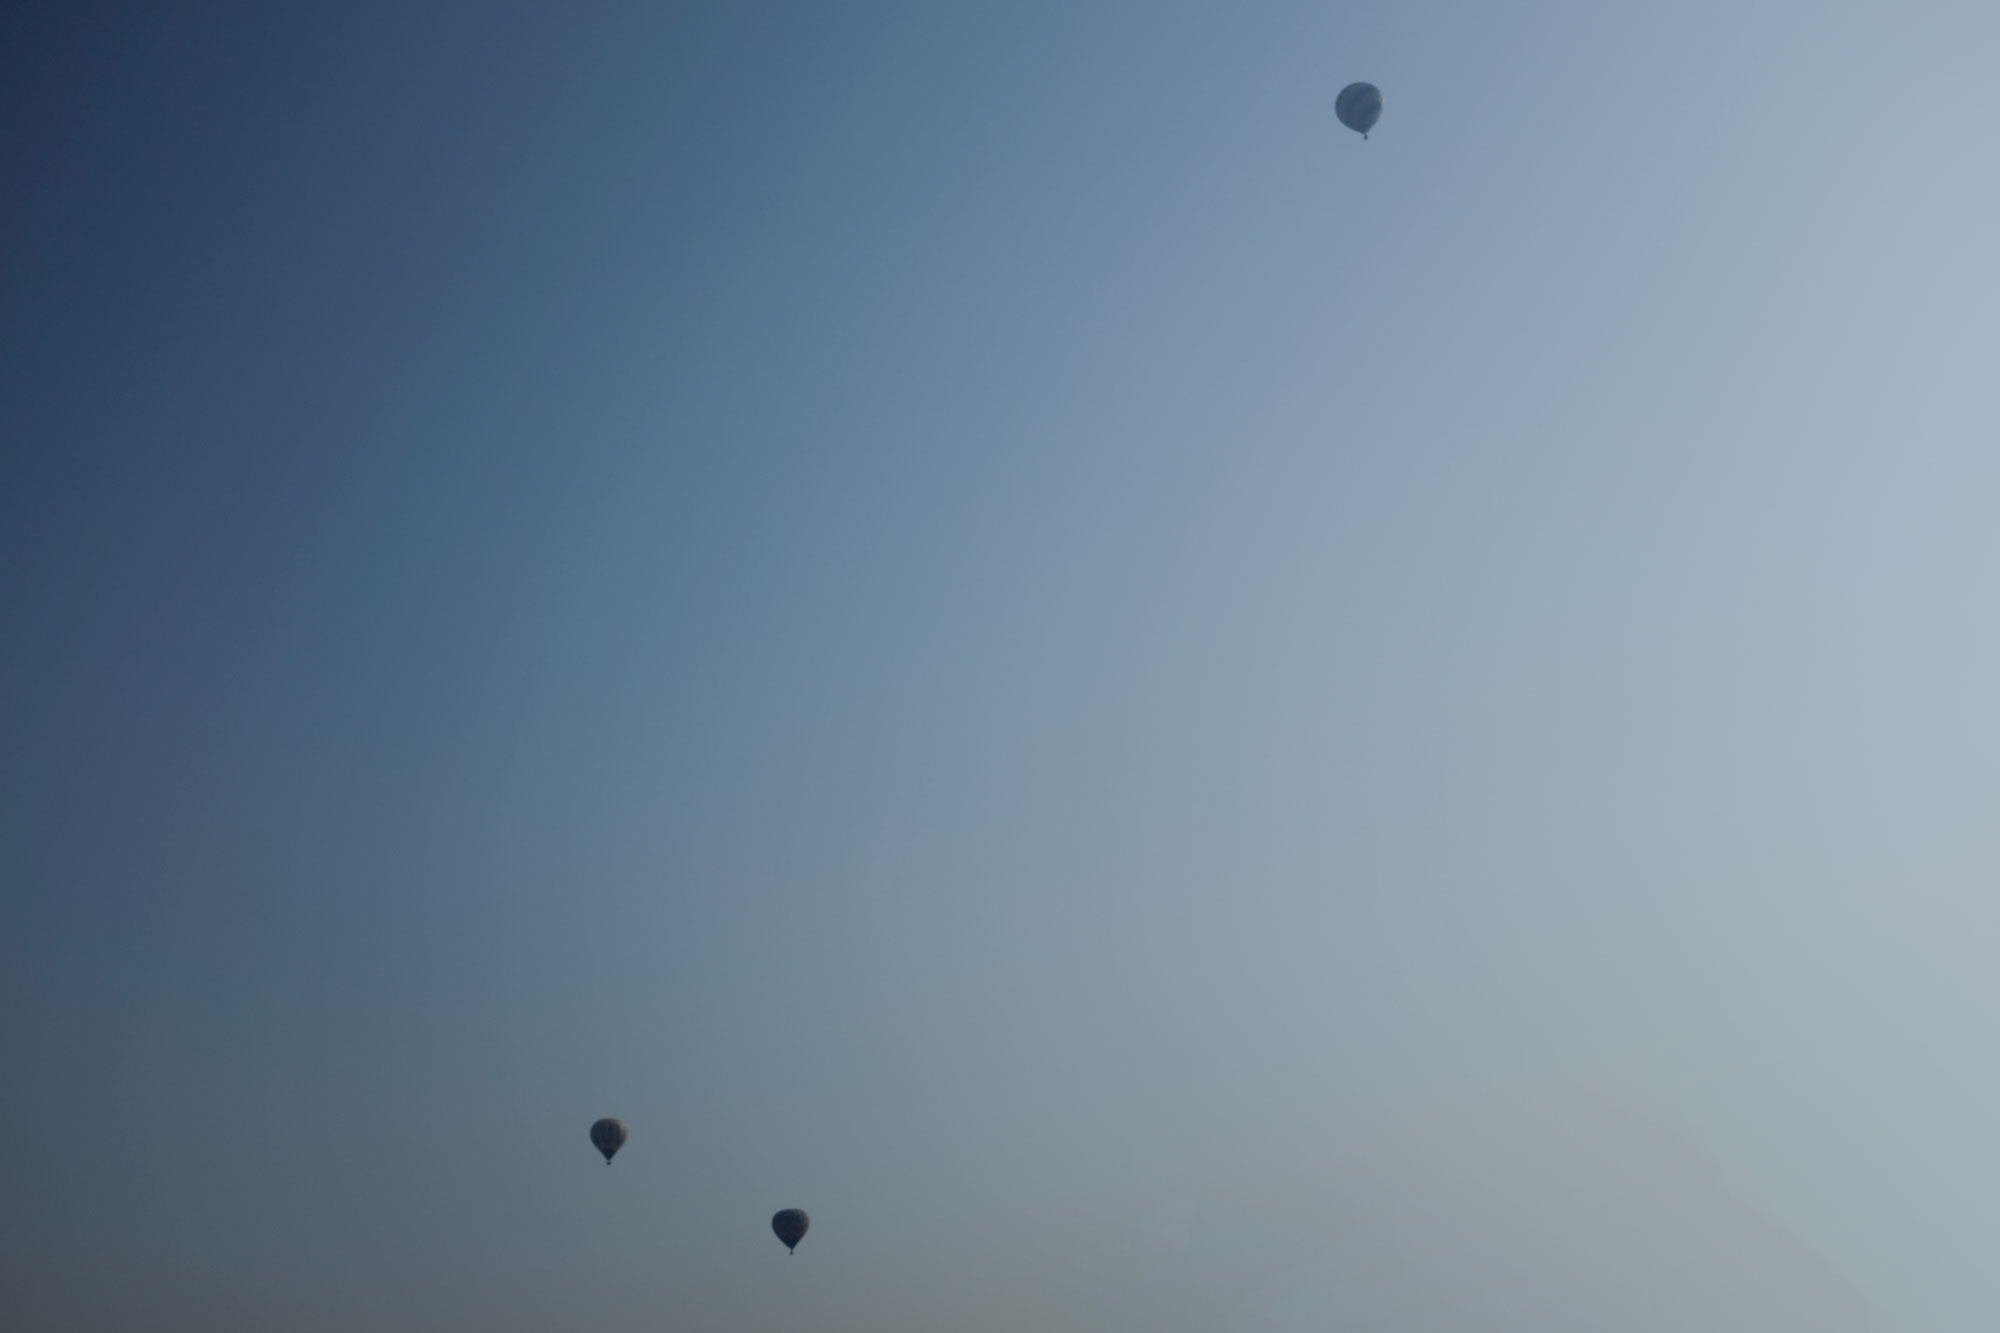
[(982, 623)]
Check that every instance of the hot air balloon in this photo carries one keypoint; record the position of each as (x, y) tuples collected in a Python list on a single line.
[(608, 1136), (790, 1227), (1359, 106)]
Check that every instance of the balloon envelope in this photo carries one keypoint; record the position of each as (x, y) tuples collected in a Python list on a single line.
[(1359, 106), (608, 1136), (790, 1227)]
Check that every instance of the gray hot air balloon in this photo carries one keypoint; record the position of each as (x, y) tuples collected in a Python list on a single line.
[(790, 1227), (1359, 106), (608, 1136)]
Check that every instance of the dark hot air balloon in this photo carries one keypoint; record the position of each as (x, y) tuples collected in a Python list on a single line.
[(790, 1227), (1359, 106), (608, 1136)]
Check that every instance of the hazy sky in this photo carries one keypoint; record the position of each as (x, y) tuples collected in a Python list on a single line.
[(984, 624)]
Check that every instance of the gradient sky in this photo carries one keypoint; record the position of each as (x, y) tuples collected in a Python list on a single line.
[(982, 623)]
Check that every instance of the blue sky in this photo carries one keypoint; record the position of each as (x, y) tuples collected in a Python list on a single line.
[(982, 623)]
